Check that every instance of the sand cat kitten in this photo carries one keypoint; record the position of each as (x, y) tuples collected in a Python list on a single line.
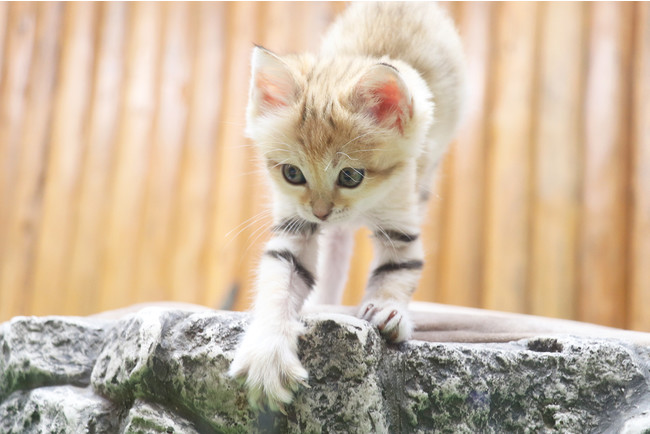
[(350, 137)]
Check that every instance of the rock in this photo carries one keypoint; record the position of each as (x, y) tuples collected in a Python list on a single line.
[(47, 351), (58, 409), (178, 359), (163, 370), (148, 418)]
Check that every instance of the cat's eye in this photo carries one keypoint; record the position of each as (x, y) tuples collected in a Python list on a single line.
[(350, 177), (292, 174)]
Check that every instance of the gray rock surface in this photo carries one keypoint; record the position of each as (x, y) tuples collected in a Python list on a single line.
[(164, 371)]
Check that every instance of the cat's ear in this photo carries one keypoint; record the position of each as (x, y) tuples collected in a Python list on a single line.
[(272, 83), (382, 93)]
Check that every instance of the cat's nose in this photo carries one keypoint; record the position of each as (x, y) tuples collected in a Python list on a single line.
[(322, 216), (322, 209)]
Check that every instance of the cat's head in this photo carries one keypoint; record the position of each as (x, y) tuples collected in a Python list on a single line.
[(335, 135)]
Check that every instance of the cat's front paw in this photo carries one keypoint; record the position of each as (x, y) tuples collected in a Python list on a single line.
[(270, 368), (390, 318)]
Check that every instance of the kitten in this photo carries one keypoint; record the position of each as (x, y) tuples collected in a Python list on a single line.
[(350, 137)]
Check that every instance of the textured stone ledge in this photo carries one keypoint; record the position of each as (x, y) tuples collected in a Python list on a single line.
[(164, 370)]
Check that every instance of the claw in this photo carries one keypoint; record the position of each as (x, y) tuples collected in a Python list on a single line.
[(370, 306), (381, 327)]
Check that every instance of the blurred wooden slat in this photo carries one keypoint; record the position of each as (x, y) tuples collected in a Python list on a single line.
[(21, 28), (461, 251), (4, 11), (509, 153), (433, 227), (557, 155), (190, 223), (25, 211), (359, 268), (230, 159), (100, 136), (168, 136), (313, 19), (604, 214), (640, 232), (132, 156), (65, 151)]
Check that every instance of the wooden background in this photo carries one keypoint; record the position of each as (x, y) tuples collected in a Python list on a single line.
[(124, 176)]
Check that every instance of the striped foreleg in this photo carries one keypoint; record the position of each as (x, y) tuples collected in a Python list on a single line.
[(394, 278), (267, 356)]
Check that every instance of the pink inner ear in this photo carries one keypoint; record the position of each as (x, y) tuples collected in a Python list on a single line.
[(389, 96), (271, 94), (390, 104)]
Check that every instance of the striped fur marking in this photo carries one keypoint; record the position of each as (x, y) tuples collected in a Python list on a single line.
[(390, 267), (302, 272), (396, 235), (295, 226)]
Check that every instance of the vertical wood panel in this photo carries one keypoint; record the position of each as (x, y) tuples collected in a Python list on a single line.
[(230, 160), (128, 179), (640, 234), (21, 29), (508, 179), (433, 227), (196, 174), (557, 168), (461, 256), (24, 211), (101, 135), (167, 139), (4, 11), (65, 151), (603, 226)]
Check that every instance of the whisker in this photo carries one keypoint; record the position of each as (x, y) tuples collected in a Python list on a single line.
[(260, 233), (279, 164), (343, 153), (367, 150), (247, 220), (247, 224)]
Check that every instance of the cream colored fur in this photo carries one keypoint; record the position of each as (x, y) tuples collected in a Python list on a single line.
[(384, 95)]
